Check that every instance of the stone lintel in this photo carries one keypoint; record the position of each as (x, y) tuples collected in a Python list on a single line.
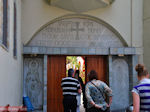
[(123, 51), (83, 51)]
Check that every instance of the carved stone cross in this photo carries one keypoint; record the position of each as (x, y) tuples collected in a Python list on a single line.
[(77, 29)]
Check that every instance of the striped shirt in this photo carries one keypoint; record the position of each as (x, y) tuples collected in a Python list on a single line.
[(143, 90), (70, 86)]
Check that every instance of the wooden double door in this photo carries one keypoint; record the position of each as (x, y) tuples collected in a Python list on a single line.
[(57, 71)]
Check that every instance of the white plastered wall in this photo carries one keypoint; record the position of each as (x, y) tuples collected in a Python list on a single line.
[(10, 67), (146, 33), (123, 15)]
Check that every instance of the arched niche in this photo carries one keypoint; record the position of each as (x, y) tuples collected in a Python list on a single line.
[(77, 31), (120, 84)]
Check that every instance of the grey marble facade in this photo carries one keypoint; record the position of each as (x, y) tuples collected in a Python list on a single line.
[(81, 51), (79, 36)]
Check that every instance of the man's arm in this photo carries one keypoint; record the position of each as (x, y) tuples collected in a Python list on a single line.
[(79, 88), (79, 91)]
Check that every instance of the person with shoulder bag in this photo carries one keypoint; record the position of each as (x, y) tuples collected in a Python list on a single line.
[(95, 91)]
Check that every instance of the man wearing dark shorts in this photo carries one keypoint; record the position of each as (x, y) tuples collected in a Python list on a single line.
[(70, 87)]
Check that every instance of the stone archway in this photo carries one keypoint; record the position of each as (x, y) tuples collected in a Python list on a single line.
[(77, 32), (74, 35)]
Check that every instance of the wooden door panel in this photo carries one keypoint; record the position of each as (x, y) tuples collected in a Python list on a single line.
[(97, 63), (56, 71)]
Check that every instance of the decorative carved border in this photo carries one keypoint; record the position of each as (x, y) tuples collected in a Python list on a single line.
[(83, 51)]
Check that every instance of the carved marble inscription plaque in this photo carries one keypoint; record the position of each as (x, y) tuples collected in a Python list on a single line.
[(76, 32), (33, 78), (120, 84)]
